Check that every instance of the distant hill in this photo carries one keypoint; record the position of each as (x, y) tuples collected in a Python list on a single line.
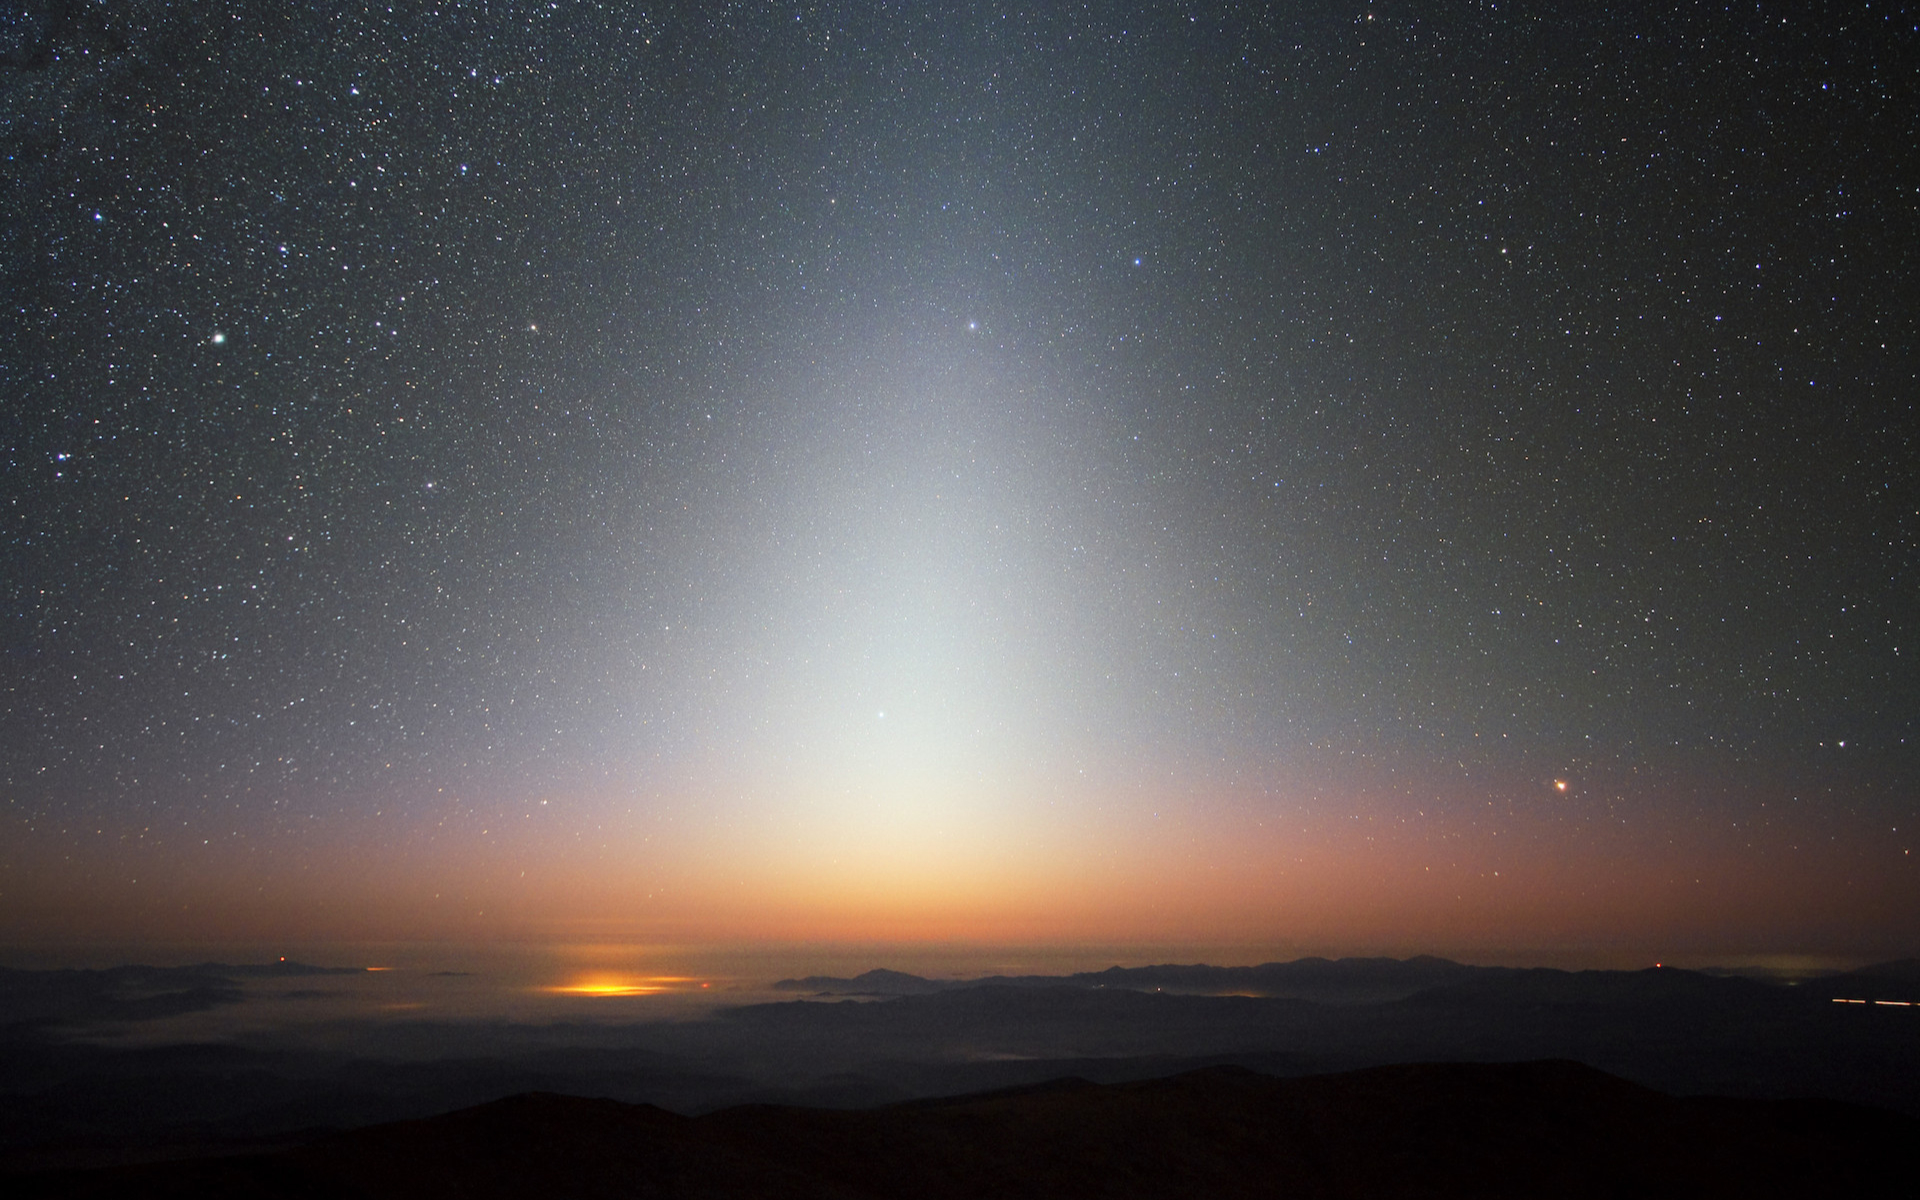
[(1374, 980), (133, 993), (880, 982), (1481, 1130), (1345, 980), (73, 1101)]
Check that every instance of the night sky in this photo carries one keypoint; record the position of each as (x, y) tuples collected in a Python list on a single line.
[(1419, 477)]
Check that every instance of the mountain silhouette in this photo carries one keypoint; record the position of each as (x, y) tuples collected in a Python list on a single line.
[(1548, 1128)]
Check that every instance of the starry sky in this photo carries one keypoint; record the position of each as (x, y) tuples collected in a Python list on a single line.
[(1407, 477)]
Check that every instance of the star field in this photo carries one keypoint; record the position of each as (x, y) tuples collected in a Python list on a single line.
[(830, 447)]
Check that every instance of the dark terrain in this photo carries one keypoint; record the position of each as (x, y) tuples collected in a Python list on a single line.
[(1528, 1129), (70, 1102)]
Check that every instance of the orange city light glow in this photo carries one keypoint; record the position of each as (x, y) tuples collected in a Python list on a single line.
[(607, 984)]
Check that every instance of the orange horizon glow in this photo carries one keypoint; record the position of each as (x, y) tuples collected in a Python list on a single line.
[(1376, 886), (1372, 867)]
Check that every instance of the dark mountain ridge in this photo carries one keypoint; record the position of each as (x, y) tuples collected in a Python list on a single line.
[(1483, 1130), (67, 1100), (133, 993), (1328, 980), (1896, 982), (1349, 980)]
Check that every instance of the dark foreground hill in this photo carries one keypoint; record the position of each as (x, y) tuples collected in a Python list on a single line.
[(86, 1080), (1526, 1129)]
